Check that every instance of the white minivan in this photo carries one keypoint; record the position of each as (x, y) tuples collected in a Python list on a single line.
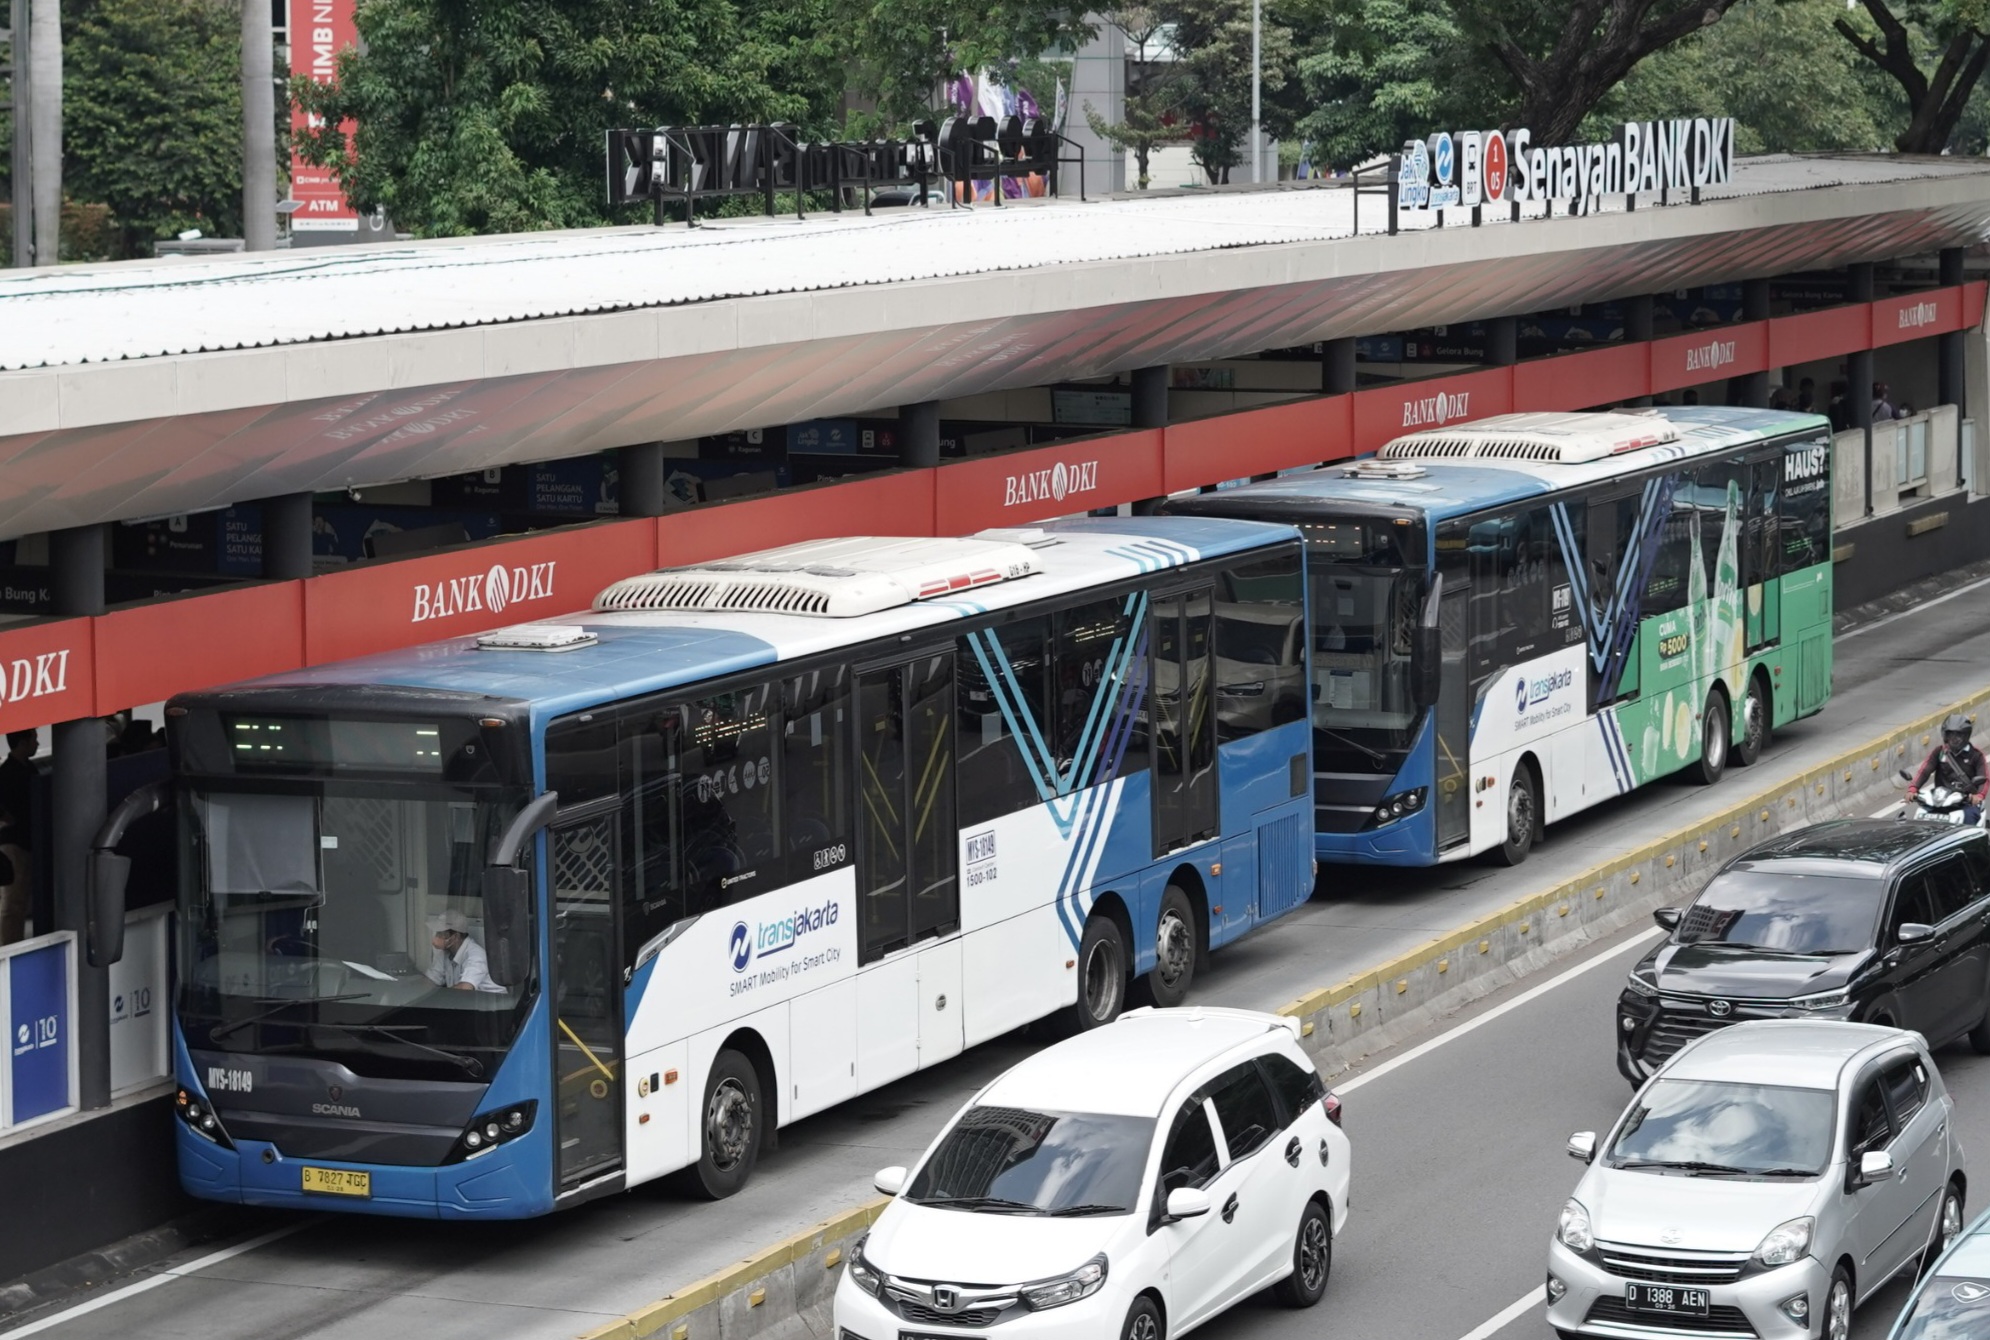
[(1132, 1181)]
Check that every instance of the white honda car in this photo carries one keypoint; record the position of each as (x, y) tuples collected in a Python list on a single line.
[(1132, 1181)]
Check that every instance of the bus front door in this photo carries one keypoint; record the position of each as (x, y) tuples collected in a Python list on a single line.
[(587, 996), (1184, 732)]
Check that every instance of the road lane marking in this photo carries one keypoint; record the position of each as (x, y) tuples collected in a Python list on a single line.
[(151, 1282), (1480, 1021), (1527, 1303), (1913, 609)]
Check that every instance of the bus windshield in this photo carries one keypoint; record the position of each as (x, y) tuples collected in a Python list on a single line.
[(343, 920), (1367, 585)]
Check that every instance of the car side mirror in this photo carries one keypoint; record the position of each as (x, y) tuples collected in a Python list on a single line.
[(1666, 917), (1913, 932), (1187, 1202), (889, 1181), (1582, 1145), (1875, 1165)]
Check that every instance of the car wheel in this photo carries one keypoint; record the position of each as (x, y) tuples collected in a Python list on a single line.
[(1756, 716), (1948, 1227), (1838, 1307), (1101, 974), (1312, 1260), (1523, 817), (1143, 1321), (1715, 732), (729, 1136), (1174, 949)]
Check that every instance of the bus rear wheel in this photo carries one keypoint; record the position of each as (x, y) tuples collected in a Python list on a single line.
[(1755, 719), (1102, 972), (1174, 949), (729, 1126)]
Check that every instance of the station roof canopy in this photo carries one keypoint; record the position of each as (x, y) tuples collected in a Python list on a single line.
[(148, 389)]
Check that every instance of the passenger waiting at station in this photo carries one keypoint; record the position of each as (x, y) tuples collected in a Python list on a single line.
[(1807, 396), (1882, 402), (458, 961)]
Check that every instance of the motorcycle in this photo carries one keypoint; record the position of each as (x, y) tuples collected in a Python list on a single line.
[(1937, 804)]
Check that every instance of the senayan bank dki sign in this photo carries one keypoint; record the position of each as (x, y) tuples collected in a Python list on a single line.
[(1490, 167)]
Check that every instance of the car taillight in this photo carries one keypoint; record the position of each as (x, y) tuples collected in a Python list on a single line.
[(1331, 1104)]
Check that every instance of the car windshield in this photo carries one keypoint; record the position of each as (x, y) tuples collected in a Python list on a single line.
[(1016, 1161), (345, 920), (1785, 911), (1950, 1309), (1702, 1126)]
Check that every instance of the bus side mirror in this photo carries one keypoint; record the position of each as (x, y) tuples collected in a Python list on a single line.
[(1426, 666), (508, 923), (104, 932)]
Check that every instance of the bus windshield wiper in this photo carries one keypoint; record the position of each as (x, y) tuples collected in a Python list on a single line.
[(470, 1065), (277, 1005), (1352, 743)]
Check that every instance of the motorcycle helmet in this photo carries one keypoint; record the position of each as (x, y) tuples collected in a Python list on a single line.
[(1956, 729)]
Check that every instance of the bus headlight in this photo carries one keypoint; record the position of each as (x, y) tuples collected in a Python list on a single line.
[(488, 1130), (1397, 806), (200, 1118)]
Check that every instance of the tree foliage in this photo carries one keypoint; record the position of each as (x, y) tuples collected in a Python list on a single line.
[(1149, 114), (152, 117), (897, 52), (1377, 72), (1211, 86), (1777, 68), (1951, 38)]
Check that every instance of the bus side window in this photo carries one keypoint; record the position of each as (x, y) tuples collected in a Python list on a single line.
[(654, 892), (1260, 629), (729, 851), (1003, 715), (814, 768), (1804, 510), (1094, 674)]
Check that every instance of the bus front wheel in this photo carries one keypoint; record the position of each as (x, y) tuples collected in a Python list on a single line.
[(729, 1122), (1523, 817), (1102, 973)]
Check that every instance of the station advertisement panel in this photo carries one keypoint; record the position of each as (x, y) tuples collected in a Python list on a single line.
[(38, 1023)]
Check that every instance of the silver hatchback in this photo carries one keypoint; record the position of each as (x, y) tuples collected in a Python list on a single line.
[(1765, 1181)]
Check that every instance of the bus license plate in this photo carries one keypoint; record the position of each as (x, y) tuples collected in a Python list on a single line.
[(338, 1182), (1667, 1298)]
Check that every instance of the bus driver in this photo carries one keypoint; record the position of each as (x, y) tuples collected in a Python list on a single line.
[(458, 961)]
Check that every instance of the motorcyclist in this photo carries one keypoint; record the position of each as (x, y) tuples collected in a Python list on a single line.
[(1956, 764)]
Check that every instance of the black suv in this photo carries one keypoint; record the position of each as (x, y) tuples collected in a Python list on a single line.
[(1878, 921)]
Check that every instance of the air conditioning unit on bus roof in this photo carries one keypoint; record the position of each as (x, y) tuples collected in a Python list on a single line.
[(824, 578), (1559, 439)]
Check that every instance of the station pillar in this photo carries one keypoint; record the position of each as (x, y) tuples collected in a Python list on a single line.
[(1752, 388), (1637, 330), (1859, 372), (287, 537), (1150, 410), (919, 435), (640, 472), (76, 578), (1952, 382)]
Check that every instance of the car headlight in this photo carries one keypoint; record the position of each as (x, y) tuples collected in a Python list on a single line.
[(861, 1273), (1786, 1242), (1640, 987), (1822, 1000), (1083, 1282), (1573, 1231)]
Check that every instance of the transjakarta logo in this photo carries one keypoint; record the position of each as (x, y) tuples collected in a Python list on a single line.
[(1920, 314), (1526, 695), (1709, 356), (779, 935), (487, 592), (1436, 409), (1055, 482)]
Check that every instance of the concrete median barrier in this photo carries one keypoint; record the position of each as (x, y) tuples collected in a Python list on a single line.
[(784, 1291)]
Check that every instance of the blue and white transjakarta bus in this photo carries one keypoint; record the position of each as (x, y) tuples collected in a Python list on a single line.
[(1517, 618), (492, 926)]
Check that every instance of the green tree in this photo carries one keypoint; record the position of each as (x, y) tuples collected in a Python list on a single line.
[(477, 116), (898, 52), (1378, 72), (1563, 56), (1212, 82), (1776, 67), (152, 117), (1949, 37), (1149, 118)]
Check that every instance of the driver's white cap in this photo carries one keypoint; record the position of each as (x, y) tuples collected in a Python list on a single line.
[(451, 920)]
